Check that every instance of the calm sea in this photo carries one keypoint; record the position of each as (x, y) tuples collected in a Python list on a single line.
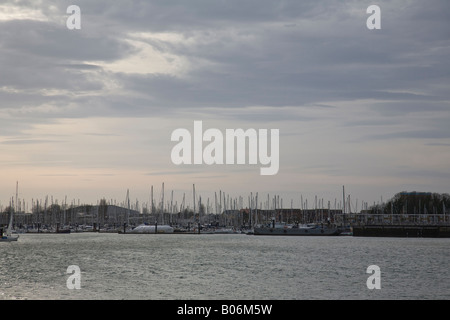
[(234, 266)]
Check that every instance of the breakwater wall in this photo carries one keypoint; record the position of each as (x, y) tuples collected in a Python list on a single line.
[(405, 231)]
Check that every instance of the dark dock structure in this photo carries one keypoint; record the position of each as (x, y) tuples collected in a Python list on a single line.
[(404, 231)]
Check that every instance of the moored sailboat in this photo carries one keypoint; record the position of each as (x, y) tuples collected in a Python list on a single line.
[(9, 236)]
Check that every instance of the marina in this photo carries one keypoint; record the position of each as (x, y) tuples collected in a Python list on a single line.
[(426, 215)]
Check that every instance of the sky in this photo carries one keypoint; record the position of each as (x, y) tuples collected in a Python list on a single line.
[(88, 113)]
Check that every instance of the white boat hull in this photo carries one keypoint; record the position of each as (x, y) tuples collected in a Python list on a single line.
[(9, 238), (152, 229)]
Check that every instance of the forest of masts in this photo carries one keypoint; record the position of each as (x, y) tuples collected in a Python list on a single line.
[(223, 210)]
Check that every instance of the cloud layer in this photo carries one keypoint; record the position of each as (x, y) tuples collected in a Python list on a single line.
[(353, 105)]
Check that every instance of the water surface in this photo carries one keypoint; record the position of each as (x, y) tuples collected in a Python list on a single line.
[(222, 266)]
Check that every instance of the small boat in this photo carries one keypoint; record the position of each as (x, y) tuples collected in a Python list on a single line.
[(8, 237), (347, 231)]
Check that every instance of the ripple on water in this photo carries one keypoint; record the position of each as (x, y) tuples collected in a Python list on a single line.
[(117, 266)]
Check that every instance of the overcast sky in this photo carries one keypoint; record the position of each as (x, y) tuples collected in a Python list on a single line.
[(89, 113)]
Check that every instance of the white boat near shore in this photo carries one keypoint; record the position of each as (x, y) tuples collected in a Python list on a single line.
[(144, 228), (9, 236)]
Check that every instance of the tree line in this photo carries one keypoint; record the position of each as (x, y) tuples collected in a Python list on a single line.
[(414, 203)]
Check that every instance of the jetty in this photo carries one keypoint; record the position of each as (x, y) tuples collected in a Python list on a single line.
[(408, 231)]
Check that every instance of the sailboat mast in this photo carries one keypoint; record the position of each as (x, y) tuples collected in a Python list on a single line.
[(171, 203), (193, 194), (162, 201), (256, 210), (343, 203), (11, 213), (128, 204), (17, 193), (152, 203)]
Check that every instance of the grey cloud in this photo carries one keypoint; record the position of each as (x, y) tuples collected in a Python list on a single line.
[(401, 108), (438, 144), (81, 66), (413, 134), (274, 67), (182, 16), (30, 141), (258, 62), (291, 56), (43, 39), (38, 55), (408, 172)]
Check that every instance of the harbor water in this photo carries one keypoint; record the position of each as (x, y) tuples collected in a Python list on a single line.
[(222, 266)]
